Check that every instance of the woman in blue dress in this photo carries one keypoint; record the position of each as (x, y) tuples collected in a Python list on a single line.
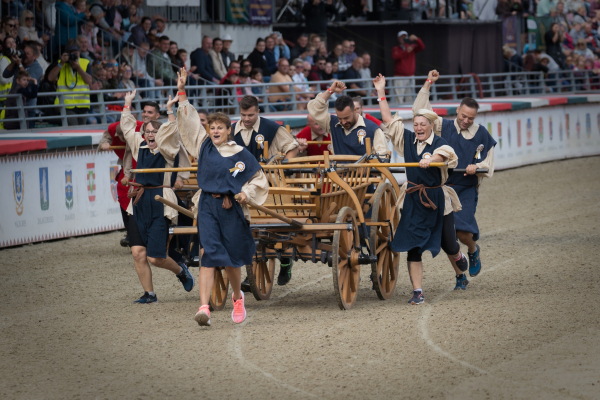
[(427, 206), (149, 227), (225, 169)]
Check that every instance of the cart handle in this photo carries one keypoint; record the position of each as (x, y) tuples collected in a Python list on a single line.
[(175, 206), (296, 166), (117, 148), (273, 214)]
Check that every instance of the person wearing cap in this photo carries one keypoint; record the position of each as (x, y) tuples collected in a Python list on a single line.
[(74, 77), (427, 205), (474, 147), (404, 65), (227, 55)]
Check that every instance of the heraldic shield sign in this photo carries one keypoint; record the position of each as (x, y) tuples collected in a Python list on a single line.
[(114, 171), (69, 189), (44, 187), (18, 191), (91, 182)]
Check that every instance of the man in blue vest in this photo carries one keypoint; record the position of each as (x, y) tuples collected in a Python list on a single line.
[(475, 149), (347, 128), (252, 132)]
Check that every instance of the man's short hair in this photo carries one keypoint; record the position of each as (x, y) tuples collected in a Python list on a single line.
[(34, 46), (282, 59), (344, 101), (203, 111), (365, 54), (163, 38), (247, 102), (22, 73), (358, 99), (469, 102), (259, 40), (318, 58), (144, 19), (151, 104)]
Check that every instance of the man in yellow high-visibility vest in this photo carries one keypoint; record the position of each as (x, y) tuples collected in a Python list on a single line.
[(74, 77)]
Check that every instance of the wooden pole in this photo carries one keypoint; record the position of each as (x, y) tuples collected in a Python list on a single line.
[(318, 142), (273, 213), (175, 206)]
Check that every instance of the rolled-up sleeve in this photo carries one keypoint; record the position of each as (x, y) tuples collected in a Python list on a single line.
[(380, 142), (452, 203), (127, 162), (283, 142), (167, 140), (318, 108), (191, 130), (184, 162), (488, 163), (257, 190), (128, 125), (395, 133)]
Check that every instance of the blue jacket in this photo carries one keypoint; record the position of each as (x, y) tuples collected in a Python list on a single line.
[(67, 22), (271, 63), (204, 64)]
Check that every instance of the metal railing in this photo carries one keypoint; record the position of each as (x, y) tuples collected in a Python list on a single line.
[(402, 91)]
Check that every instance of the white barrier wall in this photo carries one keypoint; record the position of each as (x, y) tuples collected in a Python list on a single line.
[(50, 196), (541, 134)]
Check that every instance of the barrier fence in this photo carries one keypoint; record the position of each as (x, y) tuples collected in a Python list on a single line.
[(401, 91)]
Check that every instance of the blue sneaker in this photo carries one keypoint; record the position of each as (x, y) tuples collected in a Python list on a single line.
[(461, 282), (474, 263), (417, 298), (186, 279), (147, 299)]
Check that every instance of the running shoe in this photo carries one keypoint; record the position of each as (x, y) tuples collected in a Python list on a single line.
[(238, 315), (202, 317), (474, 263), (125, 241), (246, 286), (147, 299), (186, 279), (461, 282), (285, 273), (417, 298), (462, 264)]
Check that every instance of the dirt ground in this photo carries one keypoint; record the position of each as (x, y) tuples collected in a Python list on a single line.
[(527, 327)]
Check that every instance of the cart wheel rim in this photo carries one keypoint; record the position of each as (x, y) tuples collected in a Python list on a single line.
[(218, 295), (385, 270), (345, 276), (260, 276)]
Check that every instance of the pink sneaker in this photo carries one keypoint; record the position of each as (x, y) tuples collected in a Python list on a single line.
[(238, 315), (203, 316)]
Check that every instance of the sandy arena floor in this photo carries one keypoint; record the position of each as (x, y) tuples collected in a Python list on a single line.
[(528, 327)]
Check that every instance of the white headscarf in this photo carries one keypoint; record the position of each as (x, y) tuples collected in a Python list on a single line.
[(430, 115)]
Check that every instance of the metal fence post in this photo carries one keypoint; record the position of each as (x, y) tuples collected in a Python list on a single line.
[(22, 121), (293, 99), (63, 110), (102, 108)]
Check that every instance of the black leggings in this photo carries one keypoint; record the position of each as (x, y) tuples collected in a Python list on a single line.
[(449, 243)]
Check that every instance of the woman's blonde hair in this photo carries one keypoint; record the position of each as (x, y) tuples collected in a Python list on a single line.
[(24, 15), (430, 115)]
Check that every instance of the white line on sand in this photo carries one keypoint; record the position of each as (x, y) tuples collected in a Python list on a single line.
[(236, 341), (425, 319)]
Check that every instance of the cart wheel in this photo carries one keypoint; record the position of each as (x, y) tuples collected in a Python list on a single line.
[(385, 272), (218, 296), (345, 275), (260, 275)]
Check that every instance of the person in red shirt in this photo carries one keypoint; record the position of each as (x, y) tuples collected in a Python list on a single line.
[(358, 108), (313, 132), (404, 65), (113, 136)]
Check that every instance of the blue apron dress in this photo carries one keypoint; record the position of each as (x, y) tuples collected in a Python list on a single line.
[(225, 234), (267, 130), (468, 152), (351, 144), (421, 227), (149, 214)]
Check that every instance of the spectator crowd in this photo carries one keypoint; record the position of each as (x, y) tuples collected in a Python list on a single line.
[(56, 52), (570, 42)]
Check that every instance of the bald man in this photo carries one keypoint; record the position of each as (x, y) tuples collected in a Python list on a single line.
[(313, 132)]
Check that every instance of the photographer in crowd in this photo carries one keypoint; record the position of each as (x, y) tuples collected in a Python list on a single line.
[(25, 60), (73, 78)]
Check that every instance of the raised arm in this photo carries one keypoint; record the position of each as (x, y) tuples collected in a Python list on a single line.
[(167, 137), (318, 108), (128, 125), (422, 100), (191, 130), (384, 107), (105, 141)]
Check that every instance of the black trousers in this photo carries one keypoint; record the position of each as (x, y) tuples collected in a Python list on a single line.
[(449, 242)]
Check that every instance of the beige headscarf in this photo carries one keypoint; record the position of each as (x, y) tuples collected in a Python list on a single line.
[(430, 115)]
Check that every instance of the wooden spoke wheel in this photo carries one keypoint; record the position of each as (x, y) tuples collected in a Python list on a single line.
[(384, 273), (218, 296), (346, 274), (260, 275)]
